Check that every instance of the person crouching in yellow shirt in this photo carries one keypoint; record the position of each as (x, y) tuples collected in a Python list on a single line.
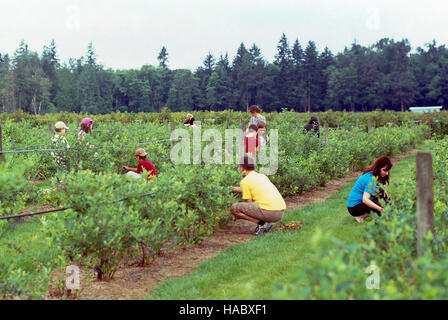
[(263, 202)]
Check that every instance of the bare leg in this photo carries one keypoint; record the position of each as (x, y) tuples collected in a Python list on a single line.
[(240, 215), (359, 219)]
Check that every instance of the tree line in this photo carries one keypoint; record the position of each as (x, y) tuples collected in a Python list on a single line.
[(385, 75)]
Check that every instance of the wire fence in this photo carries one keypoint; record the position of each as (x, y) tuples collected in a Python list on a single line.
[(94, 147), (32, 213)]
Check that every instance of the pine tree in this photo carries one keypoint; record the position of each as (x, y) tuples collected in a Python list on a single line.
[(284, 80), (163, 57), (311, 74)]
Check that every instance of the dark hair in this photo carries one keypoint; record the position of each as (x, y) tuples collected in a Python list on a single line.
[(261, 124), (254, 108), (375, 168), (247, 163), (86, 128), (58, 129), (253, 127), (314, 120), (313, 124)]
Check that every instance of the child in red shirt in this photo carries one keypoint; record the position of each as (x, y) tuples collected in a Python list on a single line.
[(140, 155), (252, 142)]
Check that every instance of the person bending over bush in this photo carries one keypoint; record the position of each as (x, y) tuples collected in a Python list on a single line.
[(189, 121), (134, 173), (312, 126), (365, 195), (263, 202)]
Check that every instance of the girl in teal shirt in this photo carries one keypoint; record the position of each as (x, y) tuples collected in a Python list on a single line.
[(364, 195)]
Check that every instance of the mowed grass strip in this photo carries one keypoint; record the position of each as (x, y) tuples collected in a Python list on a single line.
[(253, 269)]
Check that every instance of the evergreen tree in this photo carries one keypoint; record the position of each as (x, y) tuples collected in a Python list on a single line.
[(298, 96), (325, 60), (241, 70), (163, 58), (311, 75), (50, 64), (284, 80)]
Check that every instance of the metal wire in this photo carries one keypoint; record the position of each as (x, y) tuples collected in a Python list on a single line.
[(30, 214), (95, 147)]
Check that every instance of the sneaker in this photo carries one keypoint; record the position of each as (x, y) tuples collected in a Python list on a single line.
[(262, 229), (267, 227), (257, 230)]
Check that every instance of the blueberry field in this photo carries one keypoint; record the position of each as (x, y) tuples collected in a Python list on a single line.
[(108, 219)]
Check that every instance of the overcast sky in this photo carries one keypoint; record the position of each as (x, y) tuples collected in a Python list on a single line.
[(129, 34)]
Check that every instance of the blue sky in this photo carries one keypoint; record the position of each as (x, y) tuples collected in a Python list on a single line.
[(129, 34)]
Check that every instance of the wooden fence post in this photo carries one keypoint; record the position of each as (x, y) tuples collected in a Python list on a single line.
[(1, 154), (369, 126), (357, 122), (50, 131), (227, 123), (325, 133), (425, 198), (172, 129)]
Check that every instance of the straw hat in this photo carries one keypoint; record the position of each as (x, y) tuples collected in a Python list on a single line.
[(140, 152)]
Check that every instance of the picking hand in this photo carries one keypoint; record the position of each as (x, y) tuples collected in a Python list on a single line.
[(236, 189)]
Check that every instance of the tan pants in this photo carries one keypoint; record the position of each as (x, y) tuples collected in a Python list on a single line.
[(253, 210)]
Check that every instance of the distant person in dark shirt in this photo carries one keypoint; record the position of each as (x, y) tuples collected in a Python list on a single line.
[(189, 121), (312, 126), (143, 163)]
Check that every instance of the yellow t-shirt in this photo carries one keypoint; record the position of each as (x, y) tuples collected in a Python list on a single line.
[(259, 188)]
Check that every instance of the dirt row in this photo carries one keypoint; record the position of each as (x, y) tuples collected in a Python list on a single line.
[(134, 282)]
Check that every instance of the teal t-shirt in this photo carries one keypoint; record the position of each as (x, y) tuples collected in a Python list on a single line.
[(364, 183)]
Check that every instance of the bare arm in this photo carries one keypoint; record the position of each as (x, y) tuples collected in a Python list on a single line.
[(237, 190), (130, 169), (366, 200)]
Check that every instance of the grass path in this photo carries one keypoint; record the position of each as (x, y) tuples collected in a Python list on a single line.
[(253, 269)]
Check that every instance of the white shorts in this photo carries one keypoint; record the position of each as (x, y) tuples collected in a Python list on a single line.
[(131, 175)]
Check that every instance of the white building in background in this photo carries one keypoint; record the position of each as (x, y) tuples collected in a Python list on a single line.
[(425, 109)]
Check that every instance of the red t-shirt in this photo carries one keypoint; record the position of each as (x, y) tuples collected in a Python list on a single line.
[(149, 166), (251, 145)]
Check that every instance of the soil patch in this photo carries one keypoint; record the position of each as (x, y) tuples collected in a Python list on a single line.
[(137, 282)]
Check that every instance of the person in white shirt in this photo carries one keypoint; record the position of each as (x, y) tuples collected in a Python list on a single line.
[(59, 141), (255, 111)]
